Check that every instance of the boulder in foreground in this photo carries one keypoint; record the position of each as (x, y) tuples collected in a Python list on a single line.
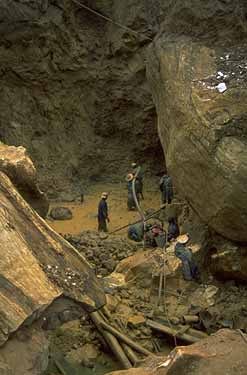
[(37, 265), (222, 353)]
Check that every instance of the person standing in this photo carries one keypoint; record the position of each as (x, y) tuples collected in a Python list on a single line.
[(130, 201), (166, 188), (103, 213), (137, 172)]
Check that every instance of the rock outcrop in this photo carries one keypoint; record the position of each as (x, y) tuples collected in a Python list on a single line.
[(227, 260), (16, 164), (26, 353), (74, 90), (37, 265), (221, 353), (198, 75)]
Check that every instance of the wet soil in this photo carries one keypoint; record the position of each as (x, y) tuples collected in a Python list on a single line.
[(85, 214)]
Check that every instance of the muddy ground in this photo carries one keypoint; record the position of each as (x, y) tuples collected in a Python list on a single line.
[(85, 214), (130, 278)]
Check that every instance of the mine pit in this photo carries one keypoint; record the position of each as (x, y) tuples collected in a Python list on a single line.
[(139, 106)]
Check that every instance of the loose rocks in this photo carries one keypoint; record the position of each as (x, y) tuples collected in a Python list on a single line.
[(61, 213)]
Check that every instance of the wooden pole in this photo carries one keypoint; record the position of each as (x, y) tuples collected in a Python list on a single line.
[(172, 332), (125, 339), (111, 341), (130, 354)]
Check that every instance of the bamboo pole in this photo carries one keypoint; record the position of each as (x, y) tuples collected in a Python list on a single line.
[(172, 332), (111, 341), (125, 339), (191, 331), (130, 354)]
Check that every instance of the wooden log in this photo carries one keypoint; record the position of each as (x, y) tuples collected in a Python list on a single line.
[(111, 341), (130, 353), (125, 339), (190, 331), (197, 333), (172, 332), (190, 318), (116, 349)]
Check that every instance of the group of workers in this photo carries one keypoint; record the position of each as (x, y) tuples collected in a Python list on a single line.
[(151, 231)]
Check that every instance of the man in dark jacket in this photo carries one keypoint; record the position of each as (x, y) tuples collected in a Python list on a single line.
[(136, 232), (173, 229), (103, 213), (166, 189), (130, 201)]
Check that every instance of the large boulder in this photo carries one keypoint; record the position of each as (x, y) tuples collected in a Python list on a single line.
[(198, 76), (26, 353), (227, 260), (16, 164), (37, 265), (221, 353), (61, 213)]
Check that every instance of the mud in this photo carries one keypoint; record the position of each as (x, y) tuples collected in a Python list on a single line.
[(85, 214)]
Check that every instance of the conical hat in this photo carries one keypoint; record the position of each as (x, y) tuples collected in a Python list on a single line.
[(184, 238), (129, 177)]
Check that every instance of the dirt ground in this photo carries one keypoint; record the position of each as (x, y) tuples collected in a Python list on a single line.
[(85, 214)]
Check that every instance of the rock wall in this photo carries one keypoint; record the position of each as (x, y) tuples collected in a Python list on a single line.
[(74, 91), (197, 69), (75, 94)]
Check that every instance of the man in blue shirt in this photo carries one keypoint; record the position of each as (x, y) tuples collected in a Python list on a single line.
[(103, 213)]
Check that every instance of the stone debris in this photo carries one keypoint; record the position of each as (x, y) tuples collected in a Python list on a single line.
[(61, 213), (136, 320), (221, 87), (65, 277), (221, 353), (102, 254)]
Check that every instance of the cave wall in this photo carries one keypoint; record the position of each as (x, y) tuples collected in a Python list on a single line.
[(74, 90), (203, 131)]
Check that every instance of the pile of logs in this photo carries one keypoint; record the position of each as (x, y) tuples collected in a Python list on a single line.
[(124, 348), (121, 345), (182, 332)]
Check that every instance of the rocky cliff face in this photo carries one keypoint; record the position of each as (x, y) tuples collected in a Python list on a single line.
[(74, 91), (197, 68)]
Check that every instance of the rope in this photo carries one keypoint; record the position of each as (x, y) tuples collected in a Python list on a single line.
[(110, 20)]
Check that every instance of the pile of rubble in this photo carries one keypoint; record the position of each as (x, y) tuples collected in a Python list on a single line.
[(103, 255)]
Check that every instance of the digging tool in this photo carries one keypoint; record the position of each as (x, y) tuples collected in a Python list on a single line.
[(162, 274), (141, 213)]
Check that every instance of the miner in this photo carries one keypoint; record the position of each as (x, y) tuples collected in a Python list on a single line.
[(166, 189), (130, 200), (136, 232), (137, 172), (103, 213), (173, 229), (184, 253)]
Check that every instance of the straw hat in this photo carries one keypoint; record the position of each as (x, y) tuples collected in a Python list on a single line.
[(184, 238), (104, 195), (133, 165), (129, 177)]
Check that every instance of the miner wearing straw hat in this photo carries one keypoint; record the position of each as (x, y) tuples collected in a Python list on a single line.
[(103, 213)]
